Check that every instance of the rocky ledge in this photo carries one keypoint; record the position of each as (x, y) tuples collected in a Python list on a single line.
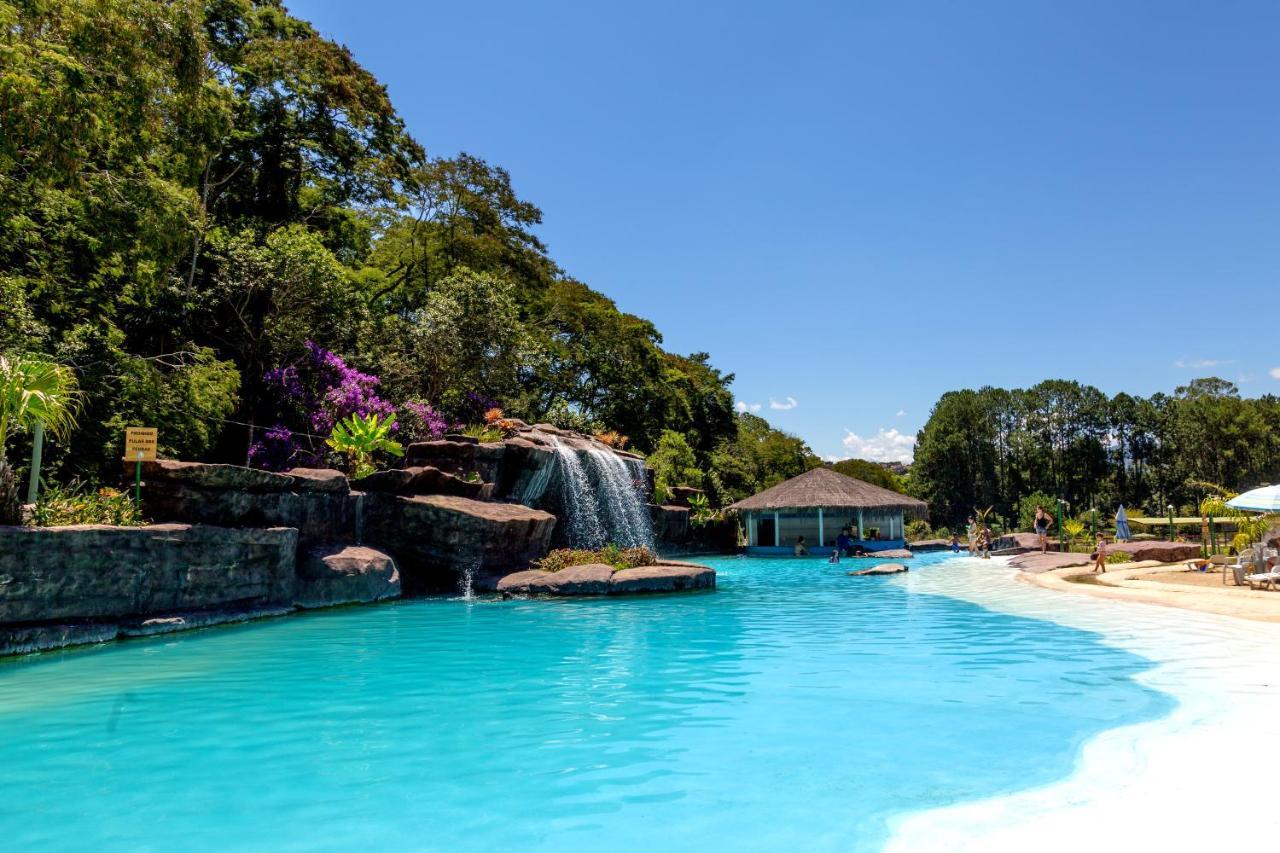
[(599, 579), (886, 569)]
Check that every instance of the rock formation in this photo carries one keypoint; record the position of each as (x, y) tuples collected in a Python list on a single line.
[(599, 579)]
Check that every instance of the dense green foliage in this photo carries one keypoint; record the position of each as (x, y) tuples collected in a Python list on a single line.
[(191, 191), (1060, 439)]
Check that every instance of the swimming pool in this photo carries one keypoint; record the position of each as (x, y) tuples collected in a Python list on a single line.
[(793, 708)]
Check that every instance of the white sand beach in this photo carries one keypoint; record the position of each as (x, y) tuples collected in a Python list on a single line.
[(1202, 778)]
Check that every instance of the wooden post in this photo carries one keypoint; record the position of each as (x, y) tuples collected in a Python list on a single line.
[(862, 530), (777, 530), (821, 542)]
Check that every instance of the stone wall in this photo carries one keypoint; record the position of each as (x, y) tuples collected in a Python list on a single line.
[(98, 572), (318, 502)]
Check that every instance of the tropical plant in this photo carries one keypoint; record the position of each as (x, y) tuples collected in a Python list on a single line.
[(485, 434), (76, 503), (612, 438), (1073, 528), (700, 511), (33, 390), (359, 437), (917, 529)]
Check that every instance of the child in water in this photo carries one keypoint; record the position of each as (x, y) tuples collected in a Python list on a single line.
[(955, 544), (835, 556)]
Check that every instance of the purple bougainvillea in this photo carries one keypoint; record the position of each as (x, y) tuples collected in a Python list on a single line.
[(275, 451), (424, 422), (313, 396), (341, 391)]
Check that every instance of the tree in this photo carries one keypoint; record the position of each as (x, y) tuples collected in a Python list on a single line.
[(870, 472), (674, 463)]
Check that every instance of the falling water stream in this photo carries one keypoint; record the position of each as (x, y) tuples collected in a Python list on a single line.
[(602, 499)]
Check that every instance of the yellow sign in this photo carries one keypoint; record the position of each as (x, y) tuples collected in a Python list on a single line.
[(140, 444)]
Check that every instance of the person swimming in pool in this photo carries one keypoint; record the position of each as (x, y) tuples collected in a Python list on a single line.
[(800, 549)]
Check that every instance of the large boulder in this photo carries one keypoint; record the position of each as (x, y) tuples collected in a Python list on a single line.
[(599, 579), (1164, 552), (457, 457), (97, 572), (884, 569), (326, 480), (437, 538), (590, 579), (420, 480), (665, 577), (894, 554), (670, 523), (207, 475), (319, 516), (347, 574), (528, 465)]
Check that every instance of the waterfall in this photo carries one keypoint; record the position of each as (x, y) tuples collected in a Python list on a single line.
[(601, 498), (621, 500), (581, 510)]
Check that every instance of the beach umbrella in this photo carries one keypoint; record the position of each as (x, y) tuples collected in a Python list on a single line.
[(1264, 499), (1122, 525)]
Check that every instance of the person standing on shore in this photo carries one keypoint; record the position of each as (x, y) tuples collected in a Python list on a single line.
[(1100, 559), (1042, 529), (971, 532)]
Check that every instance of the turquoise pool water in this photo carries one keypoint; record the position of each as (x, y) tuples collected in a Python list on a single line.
[(795, 708)]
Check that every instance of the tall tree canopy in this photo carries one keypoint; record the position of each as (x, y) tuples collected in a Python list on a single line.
[(199, 196)]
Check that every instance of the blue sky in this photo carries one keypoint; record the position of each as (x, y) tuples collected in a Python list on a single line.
[(857, 206)]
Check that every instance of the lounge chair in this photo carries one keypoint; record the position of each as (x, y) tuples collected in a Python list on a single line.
[(1265, 580), (1217, 561)]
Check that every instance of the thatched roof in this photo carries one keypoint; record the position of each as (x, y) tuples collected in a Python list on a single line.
[(828, 489)]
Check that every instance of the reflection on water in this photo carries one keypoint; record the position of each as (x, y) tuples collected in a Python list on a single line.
[(794, 708)]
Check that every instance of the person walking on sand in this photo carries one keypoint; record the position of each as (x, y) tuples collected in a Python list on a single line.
[(1100, 560), (1042, 529)]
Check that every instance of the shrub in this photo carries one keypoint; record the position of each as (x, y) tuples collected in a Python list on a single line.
[(1027, 509), (563, 416), (77, 503), (611, 438), (486, 434), (918, 528), (1119, 557), (610, 555)]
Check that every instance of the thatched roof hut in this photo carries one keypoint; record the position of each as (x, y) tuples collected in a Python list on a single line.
[(823, 500)]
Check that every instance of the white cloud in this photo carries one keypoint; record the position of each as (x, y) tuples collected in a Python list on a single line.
[(901, 413), (1201, 363), (887, 445), (1275, 372), (782, 407), (747, 407)]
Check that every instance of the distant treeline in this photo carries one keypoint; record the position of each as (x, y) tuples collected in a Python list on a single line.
[(1061, 439)]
